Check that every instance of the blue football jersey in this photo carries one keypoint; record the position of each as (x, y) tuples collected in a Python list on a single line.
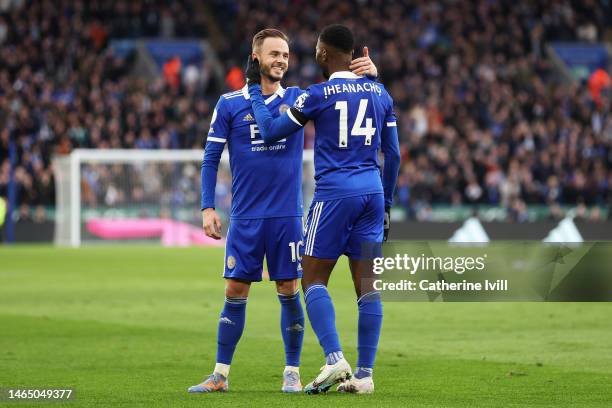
[(349, 113), (266, 179)]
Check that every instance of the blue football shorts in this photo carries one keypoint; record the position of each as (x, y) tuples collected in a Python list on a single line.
[(351, 226), (278, 239)]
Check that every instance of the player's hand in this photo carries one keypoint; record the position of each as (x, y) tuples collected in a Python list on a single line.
[(253, 73), (211, 223), (387, 224), (364, 65)]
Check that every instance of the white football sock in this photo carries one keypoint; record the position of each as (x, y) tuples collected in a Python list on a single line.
[(222, 369)]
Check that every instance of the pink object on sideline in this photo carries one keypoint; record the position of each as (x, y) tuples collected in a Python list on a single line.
[(172, 233)]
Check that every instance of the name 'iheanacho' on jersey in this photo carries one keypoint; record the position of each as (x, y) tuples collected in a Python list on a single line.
[(353, 118), (351, 87)]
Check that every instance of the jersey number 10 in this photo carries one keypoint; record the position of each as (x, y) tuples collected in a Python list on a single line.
[(358, 129)]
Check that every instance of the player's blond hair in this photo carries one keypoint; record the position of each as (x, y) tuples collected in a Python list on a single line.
[(259, 38)]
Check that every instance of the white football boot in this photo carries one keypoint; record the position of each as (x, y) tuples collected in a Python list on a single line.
[(363, 385), (291, 381), (329, 375)]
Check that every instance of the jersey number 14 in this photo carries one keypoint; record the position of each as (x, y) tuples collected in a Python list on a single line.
[(358, 129)]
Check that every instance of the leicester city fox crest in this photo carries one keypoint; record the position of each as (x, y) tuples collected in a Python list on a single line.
[(231, 262), (300, 101), (211, 131)]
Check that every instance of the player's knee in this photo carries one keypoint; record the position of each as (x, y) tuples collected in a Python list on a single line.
[(236, 288), (307, 282), (287, 287)]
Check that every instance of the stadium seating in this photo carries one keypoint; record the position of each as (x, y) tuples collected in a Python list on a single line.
[(486, 118)]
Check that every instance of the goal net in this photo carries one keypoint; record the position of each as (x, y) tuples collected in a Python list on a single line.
[(140, 196)]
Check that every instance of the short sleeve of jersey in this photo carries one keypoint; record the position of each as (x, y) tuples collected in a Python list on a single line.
[(390, 118), (220, 123), (306, 106)]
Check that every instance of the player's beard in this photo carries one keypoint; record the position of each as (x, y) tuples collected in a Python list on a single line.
[(266, 71)]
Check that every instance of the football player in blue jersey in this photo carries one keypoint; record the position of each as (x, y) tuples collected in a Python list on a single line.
[(266, 212), (353, 117)]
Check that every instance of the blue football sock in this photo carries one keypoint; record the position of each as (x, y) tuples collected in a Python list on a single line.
[(231, 325), (292, 327), (333, 358), (322, 318), (370, 322), (363, 372)]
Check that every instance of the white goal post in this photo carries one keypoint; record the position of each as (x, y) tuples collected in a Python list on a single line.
[(96, 187)]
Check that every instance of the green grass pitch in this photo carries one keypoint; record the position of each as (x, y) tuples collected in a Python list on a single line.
[(134, 326)]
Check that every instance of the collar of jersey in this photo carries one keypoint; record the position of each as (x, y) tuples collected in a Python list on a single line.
[(280, 92), (344, 75)]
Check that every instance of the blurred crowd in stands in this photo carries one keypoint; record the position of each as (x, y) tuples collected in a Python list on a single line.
[(485, 118), (61, 86)]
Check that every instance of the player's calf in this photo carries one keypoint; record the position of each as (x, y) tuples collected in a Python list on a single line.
[(292, 330)]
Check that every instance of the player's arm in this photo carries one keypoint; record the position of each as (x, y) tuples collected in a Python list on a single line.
[(391, 153), (215, 143), (390, 149), (271, 129)]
